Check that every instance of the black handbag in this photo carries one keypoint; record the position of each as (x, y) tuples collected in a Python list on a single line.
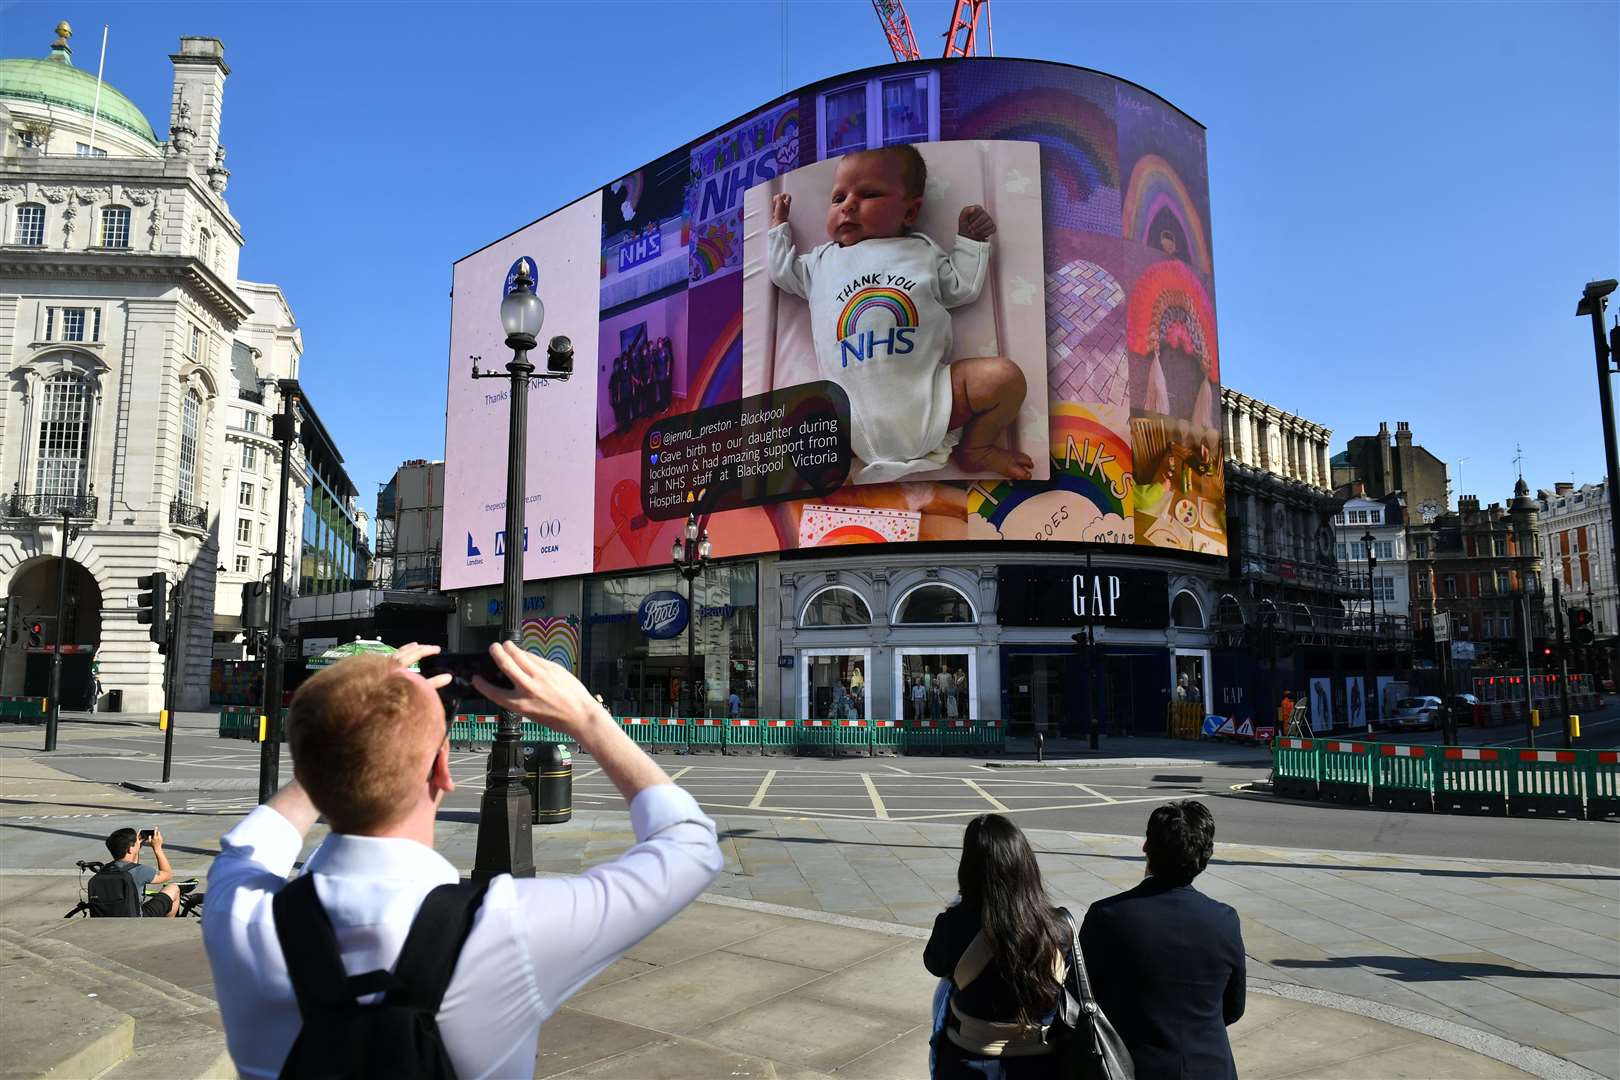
[(1090, 1047)]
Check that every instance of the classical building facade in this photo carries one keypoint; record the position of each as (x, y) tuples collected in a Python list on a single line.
[(1388, 591), (134, 356), (1577, 540)]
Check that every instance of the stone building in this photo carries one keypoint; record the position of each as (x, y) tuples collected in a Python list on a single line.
[(1383, 468), (1384, 520), (134, 356), (1577, 542)]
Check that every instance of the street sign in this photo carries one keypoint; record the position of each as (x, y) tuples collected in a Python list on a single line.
[(1442, 626), (1462, 650)]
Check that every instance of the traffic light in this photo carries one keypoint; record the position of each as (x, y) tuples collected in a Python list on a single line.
[(152, 606), (36, 634), (253, 605), (1581, 631)]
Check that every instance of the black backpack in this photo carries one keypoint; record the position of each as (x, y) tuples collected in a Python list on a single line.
[(113, 894), (399, 1035)]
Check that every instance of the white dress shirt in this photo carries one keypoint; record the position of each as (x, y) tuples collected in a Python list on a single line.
[(534, 943)]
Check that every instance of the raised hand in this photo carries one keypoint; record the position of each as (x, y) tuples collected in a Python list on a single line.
[(410, 654), (780, 205), (541, 690)]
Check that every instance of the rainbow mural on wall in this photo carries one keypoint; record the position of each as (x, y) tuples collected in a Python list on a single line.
[(1160, 213), (1169, 306), (1090, 494), (555, 637)]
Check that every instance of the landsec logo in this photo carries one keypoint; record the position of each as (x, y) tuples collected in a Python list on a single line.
[(662, 614)]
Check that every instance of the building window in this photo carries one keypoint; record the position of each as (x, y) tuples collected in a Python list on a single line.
[(1383, 588), (31, 224), (72, 324), (1503, 583), (195, 344), (190, 420), (205, 246), (1420, 549), (1339, 550), (244, 495), (1451, 584), (64, 437), (1384, 549), (244, 531), (935, 683), (1422, 583), (250, 456), (933, 604), (836, 606), (250, 420), (1185, 611), (879, 112), (115, 227), (241, 564)]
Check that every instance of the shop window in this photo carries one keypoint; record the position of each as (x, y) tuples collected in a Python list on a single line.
[(836, 606), (834, 685), (1185, 611), (927, 604), (935, 684)]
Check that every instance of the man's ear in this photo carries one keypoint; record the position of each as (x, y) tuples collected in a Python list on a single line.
[(439, 778)]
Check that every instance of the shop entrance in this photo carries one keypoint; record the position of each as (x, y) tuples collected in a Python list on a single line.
[(650, 686), (1035, 692), (834, 684)]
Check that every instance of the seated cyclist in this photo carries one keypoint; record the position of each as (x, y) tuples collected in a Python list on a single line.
[(125, 847)]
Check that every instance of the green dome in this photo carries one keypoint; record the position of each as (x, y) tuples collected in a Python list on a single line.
[(58, 83)]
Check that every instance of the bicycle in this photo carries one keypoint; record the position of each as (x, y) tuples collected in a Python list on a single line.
[(191, 901)]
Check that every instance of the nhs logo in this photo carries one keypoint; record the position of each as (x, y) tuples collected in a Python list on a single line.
[(723, 191), (636, 250)]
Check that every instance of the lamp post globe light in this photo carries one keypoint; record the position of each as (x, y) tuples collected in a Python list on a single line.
[(690, 555), (506, 812)]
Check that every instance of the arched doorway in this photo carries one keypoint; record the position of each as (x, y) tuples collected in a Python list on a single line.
[(31, 630)]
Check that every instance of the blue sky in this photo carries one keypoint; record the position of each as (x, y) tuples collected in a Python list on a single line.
[(1406, 198)]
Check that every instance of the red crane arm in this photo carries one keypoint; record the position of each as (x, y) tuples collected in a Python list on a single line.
[(897, 28), (962, 38)]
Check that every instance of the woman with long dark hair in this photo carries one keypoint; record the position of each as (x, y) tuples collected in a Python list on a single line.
[(1004, 949)]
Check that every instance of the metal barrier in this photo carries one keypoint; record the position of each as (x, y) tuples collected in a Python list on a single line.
[(887, 737), (1545, 783), (1346, 772), (238, 722), (1403, 778), (1602, 784), (992, 737), (642, 731), (1184, 719), (707, 733), (1471, 781), (852, 736), (670, 732), (778, 737), (1295, 770), (818, 736), (20, 707), (743, 735), (959, 737)]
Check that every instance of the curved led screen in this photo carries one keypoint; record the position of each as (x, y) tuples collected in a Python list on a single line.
[(939, 301)]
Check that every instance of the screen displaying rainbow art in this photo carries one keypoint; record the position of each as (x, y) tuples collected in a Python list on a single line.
[(900, 384)]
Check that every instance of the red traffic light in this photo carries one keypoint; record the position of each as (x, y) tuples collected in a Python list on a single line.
[(37, 628)]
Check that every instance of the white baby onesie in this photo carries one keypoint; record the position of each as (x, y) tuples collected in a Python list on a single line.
[(879, 318)]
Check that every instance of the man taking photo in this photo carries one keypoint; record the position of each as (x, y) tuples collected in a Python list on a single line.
[(124, 846), (370, 749)]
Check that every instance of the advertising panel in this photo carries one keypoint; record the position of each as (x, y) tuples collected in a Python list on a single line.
[(924, 302)]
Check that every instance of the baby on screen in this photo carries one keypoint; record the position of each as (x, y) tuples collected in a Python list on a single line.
[(879, 296)]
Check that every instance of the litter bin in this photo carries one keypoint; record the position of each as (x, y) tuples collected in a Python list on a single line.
[(548, 770), (115, 701)]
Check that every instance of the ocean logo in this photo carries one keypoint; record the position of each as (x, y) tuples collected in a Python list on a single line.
[(555, 637), (901, 309), (1168, 306), (1160, 213)]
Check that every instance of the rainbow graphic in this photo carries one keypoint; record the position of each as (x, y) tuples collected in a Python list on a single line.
[(787, 124), (902, 310), (714, 250), (1090, 459), (1168, 305), (1079, 151), (555, 637), (1156, 192)]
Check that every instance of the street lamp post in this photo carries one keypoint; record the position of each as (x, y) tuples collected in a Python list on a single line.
[(1368, 540), (1529, 695), (506, 813), (53, 710), (690, 554), (1593, 300), (284, 427)]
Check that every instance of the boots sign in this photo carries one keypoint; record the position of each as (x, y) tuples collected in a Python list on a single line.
[(1069, 596)]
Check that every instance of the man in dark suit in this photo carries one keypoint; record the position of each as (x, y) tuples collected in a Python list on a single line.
[(1166, 961)]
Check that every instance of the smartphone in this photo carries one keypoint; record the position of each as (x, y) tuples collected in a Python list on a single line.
[(147, 834), (462, 667)]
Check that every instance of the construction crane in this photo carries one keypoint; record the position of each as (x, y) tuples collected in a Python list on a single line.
[(962, 39)]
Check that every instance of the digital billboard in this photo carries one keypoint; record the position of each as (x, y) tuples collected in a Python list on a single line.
[(939, 301)]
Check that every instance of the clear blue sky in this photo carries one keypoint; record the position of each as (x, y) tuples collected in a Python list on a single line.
[(1406, 198)]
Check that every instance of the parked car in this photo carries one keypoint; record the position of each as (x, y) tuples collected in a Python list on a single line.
[(1464, 702), (1416, 712)]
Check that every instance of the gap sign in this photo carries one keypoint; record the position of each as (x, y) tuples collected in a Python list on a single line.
[(1067, 596)]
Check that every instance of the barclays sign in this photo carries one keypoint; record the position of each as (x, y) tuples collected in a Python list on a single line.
[(663, 614)]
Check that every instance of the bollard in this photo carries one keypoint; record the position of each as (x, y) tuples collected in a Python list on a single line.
[(1574, 725), (548, 770), (1040, 745), (1535, 718)]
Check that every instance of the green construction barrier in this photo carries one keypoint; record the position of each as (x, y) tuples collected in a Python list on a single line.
[(743, 735), (818, 737), (992, 737), (1346, 771), (1295, 768), (924, 737), (959, 737), (1471, 780), (1602, 784), (643, 731), (237, 722), (1403, 777), (886, 737), (778, 737), (853, 737), (706, 733), (19, 707), (473, 730), (1545, 783), (670, 734)]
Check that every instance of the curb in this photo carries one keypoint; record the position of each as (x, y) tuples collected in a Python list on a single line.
[(223, 784)]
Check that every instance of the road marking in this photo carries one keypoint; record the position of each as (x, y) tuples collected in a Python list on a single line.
[(877, 800), (896, 768), (1094, 793), (588, 773), (677, 774), (764, 786), (985, 795)]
